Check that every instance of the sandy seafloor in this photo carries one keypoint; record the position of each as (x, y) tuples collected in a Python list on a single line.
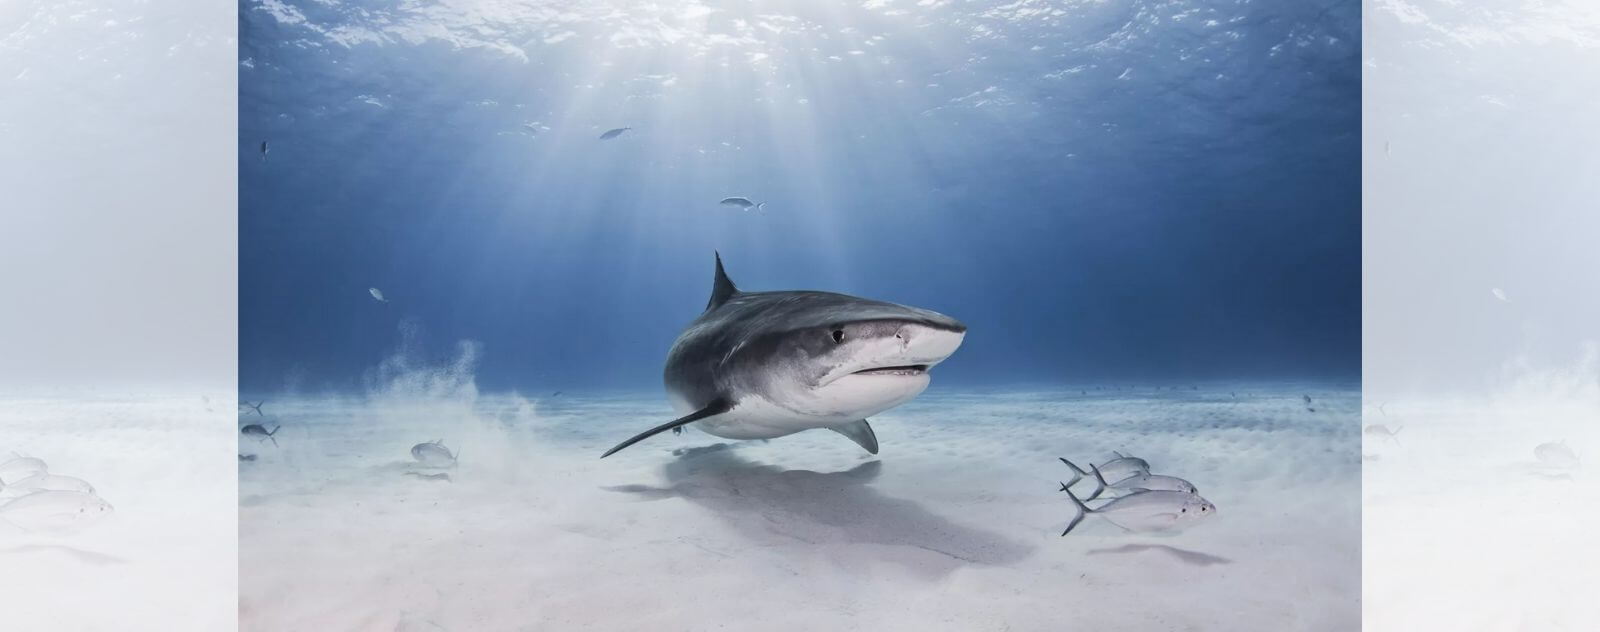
[(954, 526), (1465, 529), (165, 558)]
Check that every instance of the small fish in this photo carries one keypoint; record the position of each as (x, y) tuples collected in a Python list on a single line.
[(742, 203), (247, 457), (45, 483), (1380, 430), (1308, 399), (54, 511), (1556, 454), (263, 151), (377, 294), (257, 430), (1143, 481), (20, 468), (441, 476), (434, 454), (613, 133), (1147, 511), (1121, 467), (1310, 409), (1499, 294)]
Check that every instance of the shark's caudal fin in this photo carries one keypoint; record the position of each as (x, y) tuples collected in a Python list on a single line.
[(716, 407), (722, 287), (859, 432), (1083, 510)]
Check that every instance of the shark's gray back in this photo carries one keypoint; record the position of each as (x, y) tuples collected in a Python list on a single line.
[(716, 354)]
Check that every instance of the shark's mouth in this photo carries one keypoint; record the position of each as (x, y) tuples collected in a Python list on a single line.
[(909, 369)]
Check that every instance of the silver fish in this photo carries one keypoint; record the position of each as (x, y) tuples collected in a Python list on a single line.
[(258, 430), (45, 483), (20, 468), (55, 511), (434, 454), (1147, 511), (1556, 454), (613, 133), (1143, 481), (743, 203), (377, 294), (1120, 468)]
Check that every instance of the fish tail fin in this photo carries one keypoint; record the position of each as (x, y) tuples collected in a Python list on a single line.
[(274, 430), (1077, 472), (761, 208), (1083, 510), (1099, 482)]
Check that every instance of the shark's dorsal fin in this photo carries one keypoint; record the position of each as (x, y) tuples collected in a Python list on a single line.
[(859, 432), (722, 287)]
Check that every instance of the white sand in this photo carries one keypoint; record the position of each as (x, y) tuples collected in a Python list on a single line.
[(954, 526), (165, 559), (1465, 530)]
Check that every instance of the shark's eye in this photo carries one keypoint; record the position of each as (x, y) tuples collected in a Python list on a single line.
[(838, 335)]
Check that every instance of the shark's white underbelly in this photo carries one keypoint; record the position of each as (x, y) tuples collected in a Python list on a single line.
[(753, 417)]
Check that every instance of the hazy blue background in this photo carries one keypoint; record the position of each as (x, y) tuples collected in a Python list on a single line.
[(1127, 190)]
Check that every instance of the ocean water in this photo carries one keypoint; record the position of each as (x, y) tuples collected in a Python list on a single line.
[(1147, 215)]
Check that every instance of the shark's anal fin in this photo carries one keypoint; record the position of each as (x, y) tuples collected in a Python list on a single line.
[(859, 432), (716, 407)]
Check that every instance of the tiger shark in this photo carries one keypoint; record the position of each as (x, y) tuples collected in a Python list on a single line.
[(762, 365)]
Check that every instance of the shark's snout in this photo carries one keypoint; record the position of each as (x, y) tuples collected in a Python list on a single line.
[(923, 344)]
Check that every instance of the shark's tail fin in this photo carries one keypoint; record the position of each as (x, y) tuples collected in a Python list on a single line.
[(1083, 510), (1077, 472)]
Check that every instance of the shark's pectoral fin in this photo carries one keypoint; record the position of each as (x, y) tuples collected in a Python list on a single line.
[(859, 432), (716, 407)]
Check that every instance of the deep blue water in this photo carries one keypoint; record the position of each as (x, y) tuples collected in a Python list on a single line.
[(1126, 190)]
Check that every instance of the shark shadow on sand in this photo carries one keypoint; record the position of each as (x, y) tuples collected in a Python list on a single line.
[(836, 515)]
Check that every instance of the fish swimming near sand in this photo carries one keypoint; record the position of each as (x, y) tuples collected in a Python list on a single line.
[(1307, 398), (613, 133), (440, 476), (434, 454), (377, 294), (762, 365), (1380, 430), (1142, 481), (45, 483), (1147, 511), (742, 203), (55, 511), (1120, 468), (258, 430), (247, 457), (1556, 454), (21, 467)]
